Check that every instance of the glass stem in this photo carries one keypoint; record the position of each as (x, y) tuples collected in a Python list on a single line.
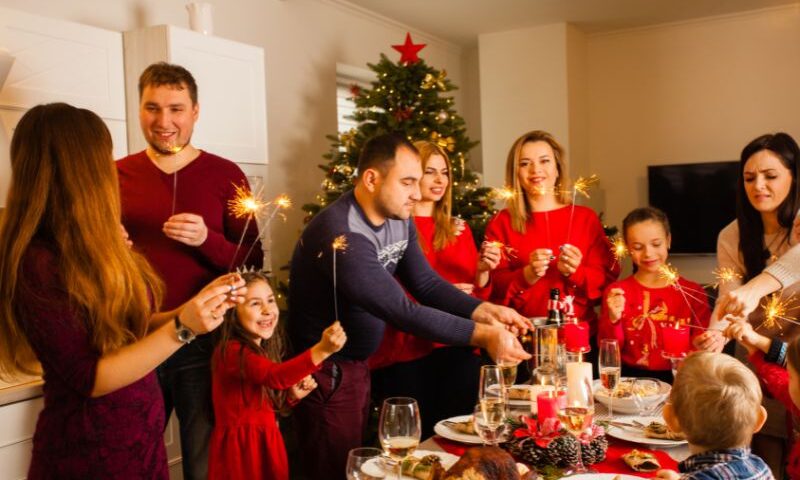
[(579, 467), (610, 404), (400, 469)]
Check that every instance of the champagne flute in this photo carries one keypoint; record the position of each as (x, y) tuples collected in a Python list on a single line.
[(610, 368), (493, 398), (399, 428), (646, 394), (489, 422), (364, 464), (577, 415)]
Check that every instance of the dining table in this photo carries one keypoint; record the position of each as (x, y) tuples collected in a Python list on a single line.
[(668, 457)]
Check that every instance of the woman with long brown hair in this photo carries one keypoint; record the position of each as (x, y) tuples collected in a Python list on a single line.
[(556, 244), (76, 303)]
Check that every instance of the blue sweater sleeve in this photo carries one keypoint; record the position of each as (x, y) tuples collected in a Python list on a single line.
[(426, 286), (363, 281)]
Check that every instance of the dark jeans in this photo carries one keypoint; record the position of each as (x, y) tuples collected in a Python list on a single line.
[(444, 383), (331, 419), (185, 380)]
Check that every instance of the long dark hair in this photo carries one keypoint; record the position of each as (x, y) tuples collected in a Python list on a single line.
[(273, 348), (751, 227)]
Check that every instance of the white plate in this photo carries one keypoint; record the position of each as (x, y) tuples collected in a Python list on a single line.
[(376, 468), (636, 435), (627, 404), (602, 476), (444, 431)]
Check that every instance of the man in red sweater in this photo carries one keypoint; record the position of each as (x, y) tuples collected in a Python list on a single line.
[(175, 208)]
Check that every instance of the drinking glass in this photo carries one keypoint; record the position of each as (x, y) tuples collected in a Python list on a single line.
[(577, 415), (399, 428), (364, 464), (610, 368), (489, 422), (646, 394)]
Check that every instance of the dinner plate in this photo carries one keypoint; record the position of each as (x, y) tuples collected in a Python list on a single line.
[(444, 431), (377, 468), (602, 476), (519, 402), (636, 435)]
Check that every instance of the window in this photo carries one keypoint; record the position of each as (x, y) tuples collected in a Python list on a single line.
[(346, 77)]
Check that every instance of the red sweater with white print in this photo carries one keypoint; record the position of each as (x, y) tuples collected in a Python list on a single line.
[(776, 379), (456, 263), (647, 311), (551, 230)]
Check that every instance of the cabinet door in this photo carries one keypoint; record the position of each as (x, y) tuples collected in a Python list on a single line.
[(59, 61)]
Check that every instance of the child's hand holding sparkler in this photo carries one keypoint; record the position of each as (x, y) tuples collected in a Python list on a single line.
[(203, 312), (569, 260), (333, 339), (615, 301), (710, 341), (186, 228), (539, 262), (741, 331)]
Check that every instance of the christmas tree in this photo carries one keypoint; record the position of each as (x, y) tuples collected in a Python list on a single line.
[(407, 96)]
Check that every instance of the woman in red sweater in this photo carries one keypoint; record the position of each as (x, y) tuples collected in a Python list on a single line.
[(554, 244), (406, 365)]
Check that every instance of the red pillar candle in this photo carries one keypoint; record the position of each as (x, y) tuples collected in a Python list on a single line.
[(576, 336), (675, 339), (546, 406)]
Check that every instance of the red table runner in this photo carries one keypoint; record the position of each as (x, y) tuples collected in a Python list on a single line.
[(612, 464)]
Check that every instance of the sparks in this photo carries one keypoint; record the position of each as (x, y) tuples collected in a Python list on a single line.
[(244, 203), (619, 249), (669, 273), (725, 275), (505, 251), (774, 310), (582, 185), (283, 201), (339, 243), (504, 193)]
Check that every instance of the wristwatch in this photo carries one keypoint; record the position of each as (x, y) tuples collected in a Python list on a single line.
[(185, 334)]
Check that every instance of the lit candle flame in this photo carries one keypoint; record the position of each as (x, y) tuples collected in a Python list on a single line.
[(669, 273), (725, 275), (582, 185)]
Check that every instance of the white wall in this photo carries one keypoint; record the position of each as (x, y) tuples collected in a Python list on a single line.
[(689, 92), (303, 41)]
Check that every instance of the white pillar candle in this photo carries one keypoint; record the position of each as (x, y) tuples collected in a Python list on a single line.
[(577, 372)]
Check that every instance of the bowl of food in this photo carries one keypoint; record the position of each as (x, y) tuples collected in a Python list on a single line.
[(639, 396)]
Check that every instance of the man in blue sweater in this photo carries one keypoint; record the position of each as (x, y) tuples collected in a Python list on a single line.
[(381, 259)]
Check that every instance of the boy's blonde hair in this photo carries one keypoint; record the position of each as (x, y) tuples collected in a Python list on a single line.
[(716, 400)]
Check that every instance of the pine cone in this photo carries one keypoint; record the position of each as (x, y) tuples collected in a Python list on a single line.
[(595, 452), (563, 451)]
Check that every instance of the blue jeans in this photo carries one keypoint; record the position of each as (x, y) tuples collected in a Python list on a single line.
[(185, 380)]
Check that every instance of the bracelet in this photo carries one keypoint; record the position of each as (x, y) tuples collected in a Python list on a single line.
[(777, 352)]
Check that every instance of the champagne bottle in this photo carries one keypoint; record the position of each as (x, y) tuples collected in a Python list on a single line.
[(553, 308)]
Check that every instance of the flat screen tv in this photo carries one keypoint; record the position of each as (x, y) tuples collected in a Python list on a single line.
[(698, 198)]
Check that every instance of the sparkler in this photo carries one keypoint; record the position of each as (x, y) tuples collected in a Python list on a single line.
[(172, 150), (281, 202), (581, 186), (670, 274), (776, 309), (505, 250), (504, 193), (619, 249), (339, 245), (725, 275), (244, 204)]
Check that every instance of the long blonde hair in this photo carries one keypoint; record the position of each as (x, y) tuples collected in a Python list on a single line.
[(444, 232), (64, 191), (518, 206)]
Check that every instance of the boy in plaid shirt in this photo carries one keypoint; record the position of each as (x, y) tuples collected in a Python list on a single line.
[(716, 402)]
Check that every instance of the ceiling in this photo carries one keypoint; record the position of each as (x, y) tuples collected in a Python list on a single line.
[(461, 21)]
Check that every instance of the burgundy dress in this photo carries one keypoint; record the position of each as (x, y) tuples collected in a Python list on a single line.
[(118, 435), (246, 442)]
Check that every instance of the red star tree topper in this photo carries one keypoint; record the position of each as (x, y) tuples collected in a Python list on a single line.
[(408, 50)]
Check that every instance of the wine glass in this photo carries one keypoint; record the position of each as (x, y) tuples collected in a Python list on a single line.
[(646, 394), (364, 464), (489, 422), (577, 415), (610, 367), (399, 428)]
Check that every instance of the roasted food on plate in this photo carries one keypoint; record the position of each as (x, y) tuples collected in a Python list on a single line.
[(641, 461), (659, 430), (466, 427), (428, 467), (488, 463)]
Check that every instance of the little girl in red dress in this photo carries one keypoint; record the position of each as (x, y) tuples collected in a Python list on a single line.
[(250, 384)]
